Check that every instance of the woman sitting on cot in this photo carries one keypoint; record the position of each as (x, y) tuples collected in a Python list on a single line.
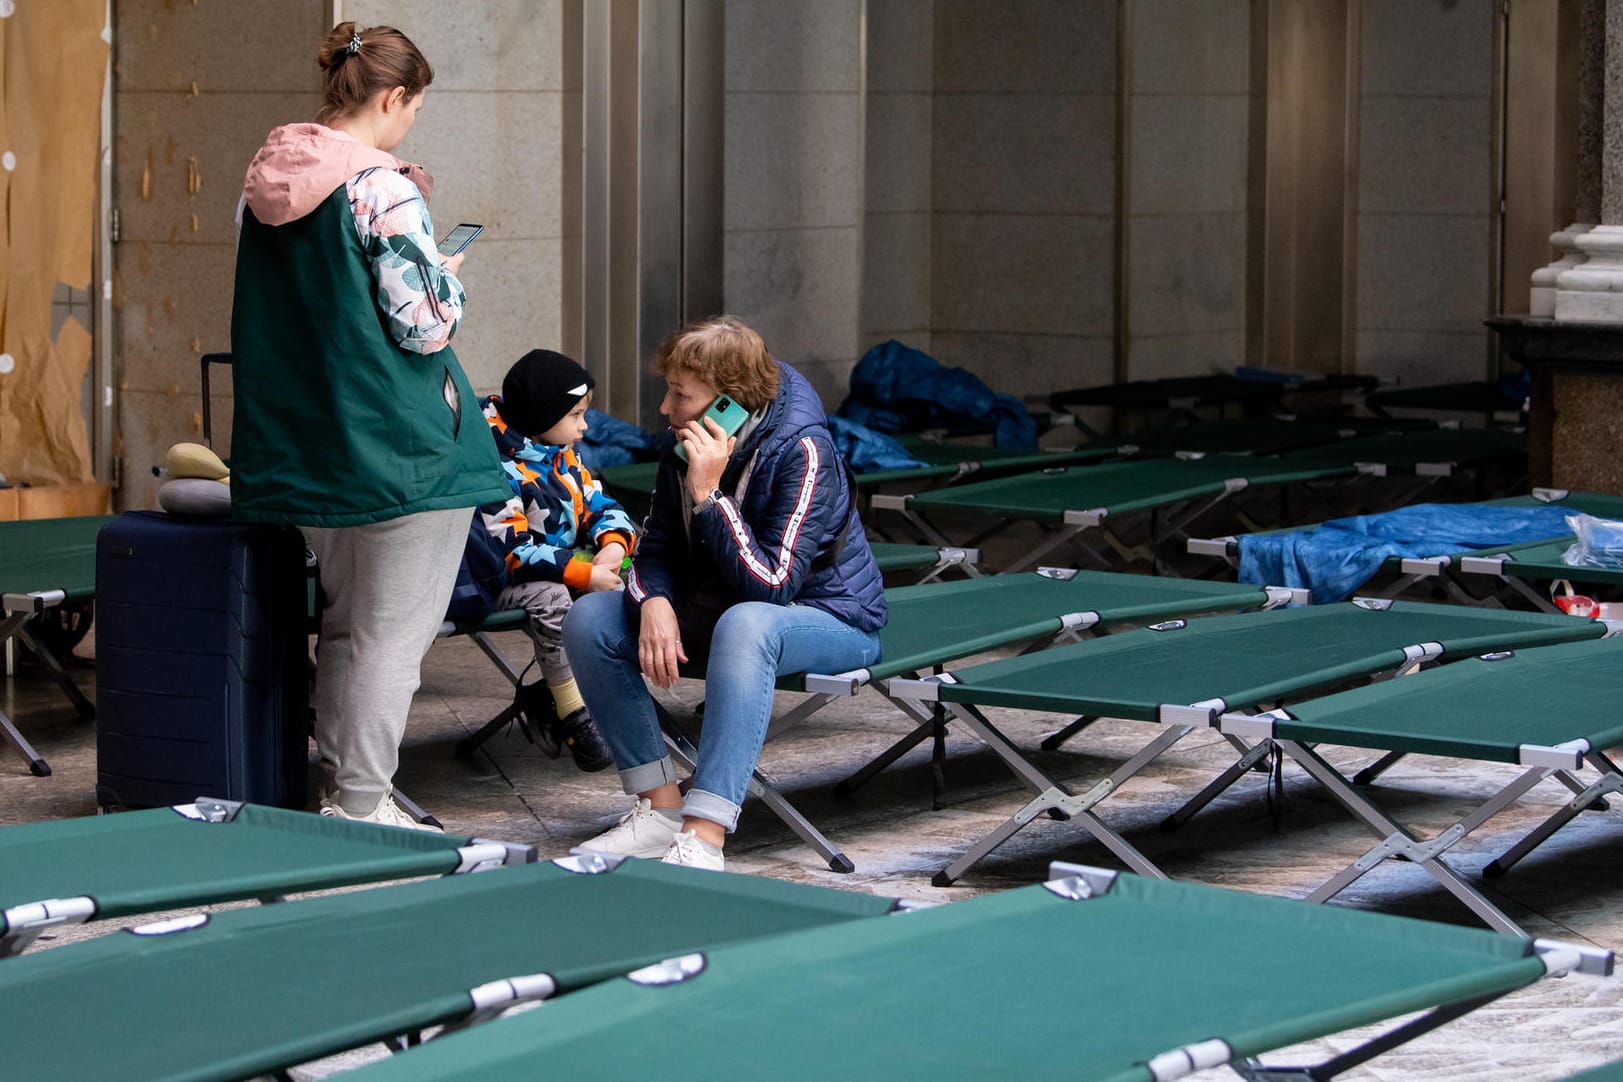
[(752, 564)]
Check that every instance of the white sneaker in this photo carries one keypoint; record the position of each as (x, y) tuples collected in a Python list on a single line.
[(387, 813), (644, 831), (692, 851)]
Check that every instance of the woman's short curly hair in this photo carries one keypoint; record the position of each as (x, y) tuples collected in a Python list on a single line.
[(724, 353)]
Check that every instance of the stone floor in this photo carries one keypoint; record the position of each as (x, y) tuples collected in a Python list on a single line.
[(1572, 888)]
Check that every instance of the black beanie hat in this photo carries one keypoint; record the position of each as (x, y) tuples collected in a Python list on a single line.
[(540, 388)]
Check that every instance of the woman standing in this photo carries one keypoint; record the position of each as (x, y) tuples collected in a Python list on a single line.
[(752, 563), (353, 418)]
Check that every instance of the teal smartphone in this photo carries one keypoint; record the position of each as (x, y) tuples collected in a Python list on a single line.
[(726, 413)]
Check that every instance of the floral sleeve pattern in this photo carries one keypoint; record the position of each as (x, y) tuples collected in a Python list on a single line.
[(421, 299)]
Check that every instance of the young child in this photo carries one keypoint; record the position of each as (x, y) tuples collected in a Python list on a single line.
[(556, 509)]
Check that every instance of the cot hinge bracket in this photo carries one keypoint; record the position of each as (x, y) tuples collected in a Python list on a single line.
[(1056, 799), (1414, 850)]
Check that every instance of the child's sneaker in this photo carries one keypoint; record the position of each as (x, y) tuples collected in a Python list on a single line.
[(691, 851), (578, 732), (644, 831)]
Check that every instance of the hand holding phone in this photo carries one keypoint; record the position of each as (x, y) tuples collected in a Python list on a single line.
[(727, 414), (459, 238)]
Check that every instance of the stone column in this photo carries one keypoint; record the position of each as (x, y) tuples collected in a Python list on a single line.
[(1591, 289), (1591, 64)]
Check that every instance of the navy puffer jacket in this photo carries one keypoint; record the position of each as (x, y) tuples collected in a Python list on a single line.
[(771, 542)]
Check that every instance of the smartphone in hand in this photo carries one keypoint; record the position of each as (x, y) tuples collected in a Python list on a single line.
[(459, 238), (726, 413)]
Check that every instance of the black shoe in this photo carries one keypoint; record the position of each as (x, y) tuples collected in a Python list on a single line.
[(578, 732), (534, 701)]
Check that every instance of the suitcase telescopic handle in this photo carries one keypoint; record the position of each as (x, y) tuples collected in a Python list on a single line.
[(208, 426)]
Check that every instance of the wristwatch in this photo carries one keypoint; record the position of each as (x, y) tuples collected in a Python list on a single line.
[(708, 502)]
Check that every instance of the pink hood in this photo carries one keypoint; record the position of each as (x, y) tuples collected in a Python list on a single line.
[(300, 165)]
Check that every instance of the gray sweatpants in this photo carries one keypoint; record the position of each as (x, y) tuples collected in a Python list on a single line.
[(387, 585), (547, 603)]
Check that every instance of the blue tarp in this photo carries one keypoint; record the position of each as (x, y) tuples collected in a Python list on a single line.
[(612, 442), (1336, 558), (866, 450), (898, 389)]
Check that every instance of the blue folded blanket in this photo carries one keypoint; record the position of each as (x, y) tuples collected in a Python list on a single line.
[(1335, 558)]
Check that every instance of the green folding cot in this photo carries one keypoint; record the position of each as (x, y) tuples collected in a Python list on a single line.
[(1471, 396), (1185, 674), (1399, 573), (936, 623), (70, 871), (1069, 502), (1177, 396), (234, 994), (45, 563), (1528, 571), (929, 562), (1510, 707), (1093, 976)]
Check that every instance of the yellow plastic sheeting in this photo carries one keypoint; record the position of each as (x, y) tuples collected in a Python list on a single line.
[(54, 63)]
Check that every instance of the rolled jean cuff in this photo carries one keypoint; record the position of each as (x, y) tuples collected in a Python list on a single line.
[(640, 779), (712, 808)]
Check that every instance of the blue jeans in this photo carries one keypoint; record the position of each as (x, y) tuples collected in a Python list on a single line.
[(754, 643)]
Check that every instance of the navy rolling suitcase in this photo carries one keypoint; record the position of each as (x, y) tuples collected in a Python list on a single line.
[(201, 665)]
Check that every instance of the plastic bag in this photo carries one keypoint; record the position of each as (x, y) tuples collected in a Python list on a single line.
[(1599, 542)]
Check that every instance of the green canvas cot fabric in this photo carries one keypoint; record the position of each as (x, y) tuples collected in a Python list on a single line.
[(1480, 396), (1606, 1072), (1021, 984), (1404, 451), (1169, 392), (1248, 659), (50, 554), (1544, 560), (253, 990), (1478, 709), (892, 556), (143, 861), (939, 622), (1118, 487)]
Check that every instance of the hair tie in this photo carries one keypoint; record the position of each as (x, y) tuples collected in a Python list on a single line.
[(354, 42)]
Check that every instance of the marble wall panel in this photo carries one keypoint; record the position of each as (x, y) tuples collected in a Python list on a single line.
[(1420, 358), (1161, 356), (900, 46), (169, 46), (773, 46), (1027, 364), (896, 274), (1189, 154), (1037, 274), (1025, 46), (506, 45), (798, 289), (1187, 274), (897, 166), (496, 159), (1428, 155), (1184, 48), (513, 306), (173, 304), (1427, 47), (1026, 153), (167, 143), (793, 160), (1421, 272)]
